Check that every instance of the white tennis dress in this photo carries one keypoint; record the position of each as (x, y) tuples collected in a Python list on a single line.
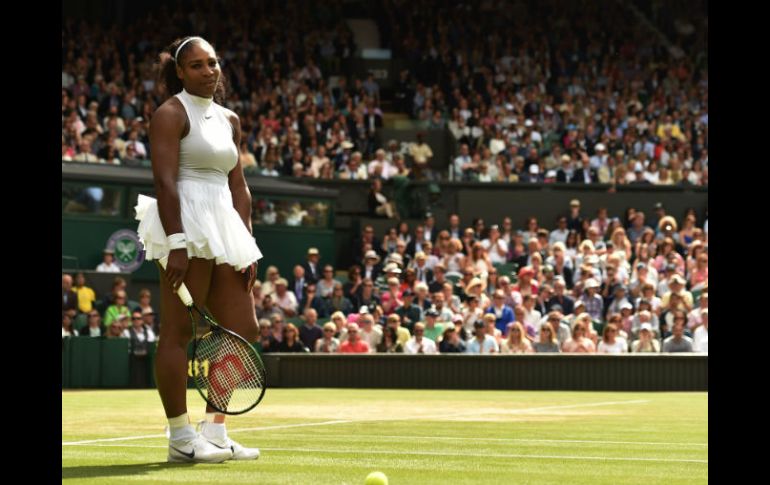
[(212, 226)]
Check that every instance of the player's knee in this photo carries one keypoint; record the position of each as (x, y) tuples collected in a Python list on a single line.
[(179, 337)]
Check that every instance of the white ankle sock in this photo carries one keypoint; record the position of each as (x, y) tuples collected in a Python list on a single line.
[(180, 428), (214, 430)]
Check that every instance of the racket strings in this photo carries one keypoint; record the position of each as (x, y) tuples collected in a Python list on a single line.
[(228, 372)]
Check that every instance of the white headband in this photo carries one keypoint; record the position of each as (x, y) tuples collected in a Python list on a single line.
[(176, 54)]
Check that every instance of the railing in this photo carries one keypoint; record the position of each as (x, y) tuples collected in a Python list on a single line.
[(96, 363)]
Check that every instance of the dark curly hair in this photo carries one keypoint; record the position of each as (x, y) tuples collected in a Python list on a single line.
[(166, 68)]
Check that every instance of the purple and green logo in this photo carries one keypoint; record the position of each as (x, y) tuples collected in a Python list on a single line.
[(129, 251)]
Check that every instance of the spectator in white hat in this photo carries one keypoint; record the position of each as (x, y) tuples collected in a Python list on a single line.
[(646, 342), (533, 174), (593, 301), (600, 157)]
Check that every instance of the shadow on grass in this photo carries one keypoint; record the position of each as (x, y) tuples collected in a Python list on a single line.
[(119, 470)]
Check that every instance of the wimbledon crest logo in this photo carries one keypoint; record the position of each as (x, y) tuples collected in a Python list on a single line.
[(129, 252)]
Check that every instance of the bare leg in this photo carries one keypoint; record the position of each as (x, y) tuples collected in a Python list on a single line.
[(233, 307), (175, 334)]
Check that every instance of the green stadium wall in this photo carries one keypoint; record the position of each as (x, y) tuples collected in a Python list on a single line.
[(104, 363)]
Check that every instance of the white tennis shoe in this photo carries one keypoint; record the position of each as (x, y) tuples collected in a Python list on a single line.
[(221, 441), (196, 450)]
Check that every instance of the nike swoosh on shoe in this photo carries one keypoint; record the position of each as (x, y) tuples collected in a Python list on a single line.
[(190, 455)]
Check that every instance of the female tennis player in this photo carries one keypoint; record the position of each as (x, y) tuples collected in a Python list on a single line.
[(201, 221)]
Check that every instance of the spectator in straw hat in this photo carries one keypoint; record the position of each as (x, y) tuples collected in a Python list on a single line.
[(676, 284), (391, 270), (284, 299), (312, 268), (476, 288), (371, 267), (422, 273)]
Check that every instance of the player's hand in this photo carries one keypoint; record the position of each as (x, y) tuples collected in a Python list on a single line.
[(176, 269), (251, 275)]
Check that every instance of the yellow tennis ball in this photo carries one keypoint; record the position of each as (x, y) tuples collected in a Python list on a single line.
[(376, 478)]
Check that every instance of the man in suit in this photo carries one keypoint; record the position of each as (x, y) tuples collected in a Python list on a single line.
[(585, 174), (371, 268), (565, 172), (423, 273), (311, 266), (415, 245), (455, 231), (69, 299), (367, 238), (429, 228), (297, 282)]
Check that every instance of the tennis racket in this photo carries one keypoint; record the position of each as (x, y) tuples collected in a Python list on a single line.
[(228, 372)]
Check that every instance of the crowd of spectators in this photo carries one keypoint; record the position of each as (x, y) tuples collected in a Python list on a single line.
[(537, 91), (594, 283), (531, 91), (112, 315), (550, 91)]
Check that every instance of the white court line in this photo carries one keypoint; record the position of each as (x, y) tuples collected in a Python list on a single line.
[(511, 440), (263, 428), (325, 423), (492, 455), (545, 408), (439, 453)]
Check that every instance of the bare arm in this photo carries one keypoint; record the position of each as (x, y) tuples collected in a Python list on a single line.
[(168, 125), (237, 181), (241, 195)]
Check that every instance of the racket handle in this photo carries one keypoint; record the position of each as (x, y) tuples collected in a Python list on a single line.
[(182, 292)]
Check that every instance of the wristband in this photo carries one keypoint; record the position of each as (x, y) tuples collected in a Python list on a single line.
[(176, 241)]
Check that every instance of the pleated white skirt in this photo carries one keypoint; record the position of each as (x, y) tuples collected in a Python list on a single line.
[(212, 226)]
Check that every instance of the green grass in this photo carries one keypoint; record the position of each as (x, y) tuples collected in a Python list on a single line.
[(338, 436)]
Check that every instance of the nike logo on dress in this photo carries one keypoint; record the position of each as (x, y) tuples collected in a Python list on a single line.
[(207, 117), (190, 455)]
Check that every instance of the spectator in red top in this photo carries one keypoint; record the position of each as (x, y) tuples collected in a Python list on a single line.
[(527, 284), (354, 344)]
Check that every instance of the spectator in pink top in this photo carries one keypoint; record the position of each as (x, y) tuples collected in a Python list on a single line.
[(700, 274)]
